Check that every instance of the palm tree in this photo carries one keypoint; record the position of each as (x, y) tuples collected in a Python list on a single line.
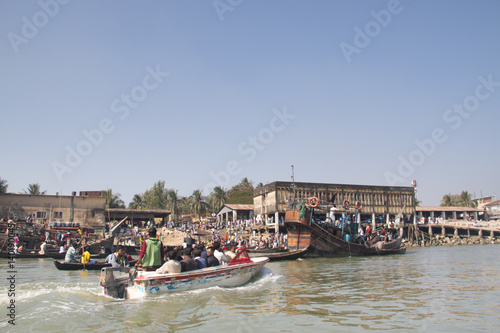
[(113, 200), (184, 205), (219, 197), (34, 189), (3, 186), (246, 182), (198, 203), (137, 202), (447, 200), (173, 202), (466, 200)]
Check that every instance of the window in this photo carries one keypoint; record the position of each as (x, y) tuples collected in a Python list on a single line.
[(41, 214), (57, 215)]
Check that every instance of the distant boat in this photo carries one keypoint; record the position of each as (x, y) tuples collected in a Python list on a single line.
[(8, 255), (75, 266), (279, 255)]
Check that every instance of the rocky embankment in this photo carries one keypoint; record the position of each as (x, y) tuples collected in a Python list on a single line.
[(439, 240)]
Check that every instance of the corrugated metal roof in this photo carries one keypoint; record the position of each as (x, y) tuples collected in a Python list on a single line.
[(494, 203), (239, 207)]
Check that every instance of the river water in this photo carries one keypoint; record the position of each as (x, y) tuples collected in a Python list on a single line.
[(441, 289)]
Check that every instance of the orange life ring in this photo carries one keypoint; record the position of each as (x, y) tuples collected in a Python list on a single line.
[(345, 204), (359, 205), (316, 204)]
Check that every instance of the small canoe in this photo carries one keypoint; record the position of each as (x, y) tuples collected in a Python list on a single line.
[(282, 255), (74, 266), (57, 255)]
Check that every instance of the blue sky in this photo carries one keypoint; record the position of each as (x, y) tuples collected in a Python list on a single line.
[(121, 94)]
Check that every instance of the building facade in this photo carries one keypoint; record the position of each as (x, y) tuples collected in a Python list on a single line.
[(88, 211), (382, 202)]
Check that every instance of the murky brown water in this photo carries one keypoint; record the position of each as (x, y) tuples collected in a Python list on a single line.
[(445, 289)]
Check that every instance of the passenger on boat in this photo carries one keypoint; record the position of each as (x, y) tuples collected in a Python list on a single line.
[(43, 247), (187, 262), (152, 255), (362, 234), (230, 252), (71, 254), (172, 265), (16, 242), (85, 258), (203, 250), (200, 261), (368, 230), (211, 260), (221, 257), (118, 259)]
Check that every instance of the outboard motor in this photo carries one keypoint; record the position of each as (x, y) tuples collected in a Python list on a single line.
[(115, 281)]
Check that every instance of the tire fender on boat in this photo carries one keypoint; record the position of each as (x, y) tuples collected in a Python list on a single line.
[(345, 204), (316, 202)]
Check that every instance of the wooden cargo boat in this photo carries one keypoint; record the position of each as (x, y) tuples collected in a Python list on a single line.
[(118, 282), (323, 240)]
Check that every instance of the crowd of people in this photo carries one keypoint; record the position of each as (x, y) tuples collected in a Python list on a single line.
[(155, 257)]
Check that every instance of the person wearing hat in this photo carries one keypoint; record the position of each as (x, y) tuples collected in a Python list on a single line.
[(151, 257)]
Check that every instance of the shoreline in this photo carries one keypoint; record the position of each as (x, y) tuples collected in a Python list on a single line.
[(440, 240)]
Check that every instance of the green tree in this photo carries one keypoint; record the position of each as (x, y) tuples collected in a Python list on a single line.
[(137, 202), (466, 200), (463, 199), (3, 186), (34, 189), (219, 198), (157, 196), (198, 203), (241, 193), (113, 200)]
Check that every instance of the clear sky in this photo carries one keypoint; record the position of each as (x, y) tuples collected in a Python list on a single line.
[(121, 94)]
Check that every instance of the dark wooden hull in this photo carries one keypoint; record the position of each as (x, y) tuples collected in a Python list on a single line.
[(71, 266), (56, 255), (324, 243), (21, 255), (286, 255)]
